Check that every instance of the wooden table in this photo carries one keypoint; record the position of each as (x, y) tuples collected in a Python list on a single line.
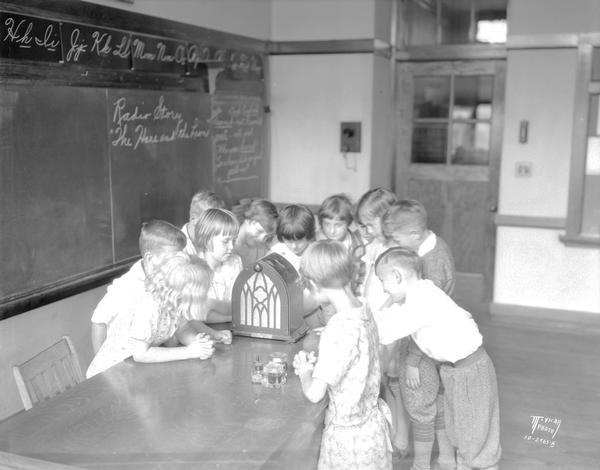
[(178, 415)]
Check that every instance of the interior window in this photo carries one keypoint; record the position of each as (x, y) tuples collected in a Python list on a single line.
[(452, 117), (436, 22)]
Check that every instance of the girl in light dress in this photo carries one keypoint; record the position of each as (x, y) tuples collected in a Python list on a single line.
[(371, 209), (214, 237), (176, 288), (356, 434)]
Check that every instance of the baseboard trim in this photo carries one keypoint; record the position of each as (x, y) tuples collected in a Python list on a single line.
[(542, 318)]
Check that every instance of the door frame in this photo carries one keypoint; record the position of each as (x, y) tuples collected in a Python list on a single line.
[(404, 169)]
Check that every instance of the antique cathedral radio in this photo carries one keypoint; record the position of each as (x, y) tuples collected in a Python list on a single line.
[(267, 300)]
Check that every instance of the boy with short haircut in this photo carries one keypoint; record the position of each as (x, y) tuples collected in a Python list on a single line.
[(405, 223), (157, 238), (448, 334), (201, 201)]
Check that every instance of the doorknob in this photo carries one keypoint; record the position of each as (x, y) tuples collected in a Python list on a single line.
[(494, 208)]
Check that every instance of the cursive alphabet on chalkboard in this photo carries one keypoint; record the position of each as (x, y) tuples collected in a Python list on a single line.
[(76, 46), (123, 49), (158, 55), (19, 32), (29, 38), (95, 46)]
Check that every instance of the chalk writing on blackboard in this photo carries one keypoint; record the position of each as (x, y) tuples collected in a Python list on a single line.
[(95, 46), (236, 123), (24, 37), (141, 123), (245, 66), (158, 55)]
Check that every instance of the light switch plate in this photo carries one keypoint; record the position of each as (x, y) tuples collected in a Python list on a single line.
[(523, 169)]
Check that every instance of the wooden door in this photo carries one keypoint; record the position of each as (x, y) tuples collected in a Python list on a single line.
[(449, 137)]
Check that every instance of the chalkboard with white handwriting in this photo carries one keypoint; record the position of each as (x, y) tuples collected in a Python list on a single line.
[(106, 123), (238, 147), (82, 168)]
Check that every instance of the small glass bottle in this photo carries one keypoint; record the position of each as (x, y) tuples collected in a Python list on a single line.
[(257, 371), (273, 375), (280, 358)]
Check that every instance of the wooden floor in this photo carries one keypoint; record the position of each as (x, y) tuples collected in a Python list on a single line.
[(552, 374)]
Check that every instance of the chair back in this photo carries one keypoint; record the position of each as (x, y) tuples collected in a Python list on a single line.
[(48, 373)]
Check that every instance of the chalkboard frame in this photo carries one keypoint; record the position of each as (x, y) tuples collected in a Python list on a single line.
[(18, 71)]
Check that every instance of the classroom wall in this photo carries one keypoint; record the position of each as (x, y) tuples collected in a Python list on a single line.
[(244, 17), (312, 94), (314, 20), (535, 17), (24, 335), (540, 88)]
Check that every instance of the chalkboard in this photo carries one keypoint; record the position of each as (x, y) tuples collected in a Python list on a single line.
[(238, 147), (109, 119), (160, 155), (82, 168), (54, 196)]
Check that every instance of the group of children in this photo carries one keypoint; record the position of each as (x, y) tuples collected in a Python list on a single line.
[(395, 326), (392, 342)]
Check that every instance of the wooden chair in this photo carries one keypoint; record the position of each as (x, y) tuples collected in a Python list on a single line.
[(48, 373)]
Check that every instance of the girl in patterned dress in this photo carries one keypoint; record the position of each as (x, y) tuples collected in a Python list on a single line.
[(371, 210), (356, 434), (176, 288)]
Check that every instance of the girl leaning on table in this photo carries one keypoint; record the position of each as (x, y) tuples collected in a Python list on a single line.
[(356, 434), (176, 290)]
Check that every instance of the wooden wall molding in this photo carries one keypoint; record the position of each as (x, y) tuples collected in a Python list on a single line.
[(526, 221), (452, 52), (334, 46), (542, 41)]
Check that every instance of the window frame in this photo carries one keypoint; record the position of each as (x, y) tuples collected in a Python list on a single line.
[(439, 33), (584, 87), (450, 121)]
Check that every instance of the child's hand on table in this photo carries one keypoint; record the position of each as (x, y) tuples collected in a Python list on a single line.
[(202, 347), (223, 336), (303, 362)]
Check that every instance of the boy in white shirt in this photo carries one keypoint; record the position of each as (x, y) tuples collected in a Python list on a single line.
[(448, 334)]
